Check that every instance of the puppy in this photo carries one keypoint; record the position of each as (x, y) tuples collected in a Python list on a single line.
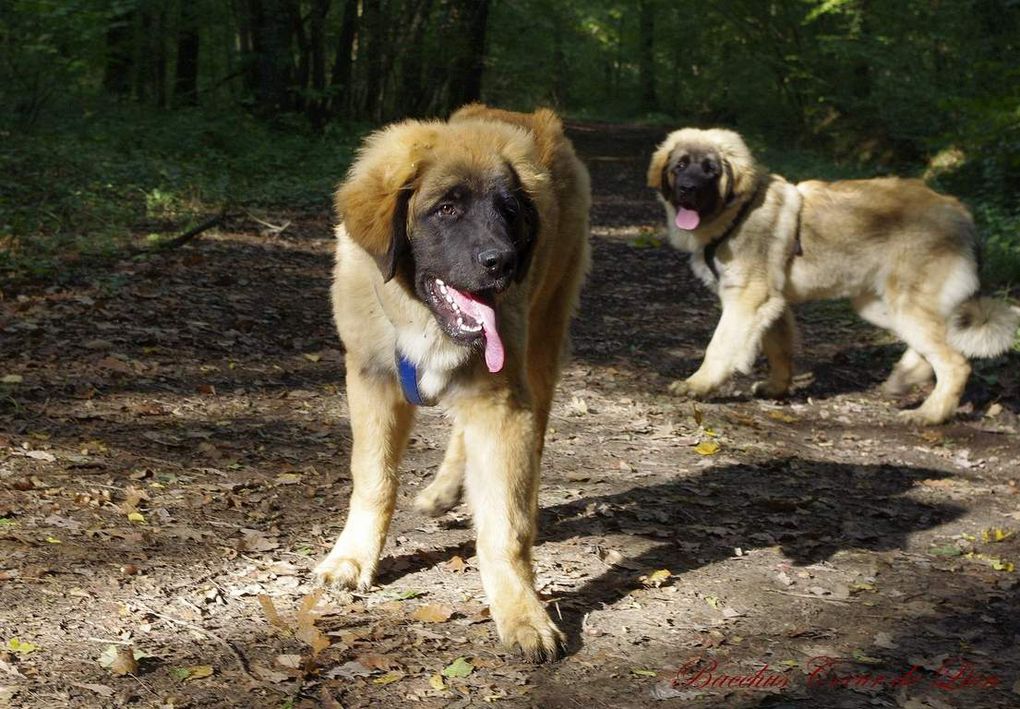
[(903, 254), (459, 262)]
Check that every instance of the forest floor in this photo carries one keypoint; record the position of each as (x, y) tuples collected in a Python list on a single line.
[(173, 461)]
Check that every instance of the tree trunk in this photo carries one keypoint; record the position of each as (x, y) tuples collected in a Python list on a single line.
[(373, 38), (315, 107), (411, 93), (150, 79), (646, 57), (300, 78), (271, 30), (340, 77), (117, 74), (186, 80), (467, 70)]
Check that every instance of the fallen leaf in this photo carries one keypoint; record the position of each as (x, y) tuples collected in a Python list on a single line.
[(136, 517), (254, 540), (644, 673), (457, 565), (312, 356), (269, 609), (995, 534), (859, 656), (100, 689), (884, 640), (432, 613), (41, 455), (782, 416), (388, 678), (313, 638), (288, 478), (373, 661), (707, 448), (458, 668), (21, 647), (270, 675), (656, 578), (120, 660), (53, 540), (712, 601), (291, 661), (198, 672), (12, 379), (349, 670), (437, 683)]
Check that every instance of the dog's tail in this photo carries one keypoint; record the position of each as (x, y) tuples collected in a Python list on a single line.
[(983, 327)]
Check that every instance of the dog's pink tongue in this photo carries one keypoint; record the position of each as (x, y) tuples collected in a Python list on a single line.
[(687, 219), (494, 353)]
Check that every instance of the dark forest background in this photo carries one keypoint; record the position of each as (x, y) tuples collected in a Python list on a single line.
[(123, 122)]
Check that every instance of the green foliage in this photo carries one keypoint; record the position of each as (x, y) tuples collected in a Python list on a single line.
[(93, 186), (827, 88)]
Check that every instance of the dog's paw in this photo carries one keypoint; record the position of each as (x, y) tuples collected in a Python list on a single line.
[(922, 417), (690, 388), (767, 389), (438, 498), (533, 636), (343, 573)]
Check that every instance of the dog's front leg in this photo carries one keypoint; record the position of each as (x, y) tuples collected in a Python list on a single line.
[(500, 438), (380, 422), (746, 313)]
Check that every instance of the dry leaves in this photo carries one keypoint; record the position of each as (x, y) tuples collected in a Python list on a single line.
[(432, 613)]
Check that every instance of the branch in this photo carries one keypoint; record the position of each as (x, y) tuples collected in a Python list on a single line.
[(194, 231)]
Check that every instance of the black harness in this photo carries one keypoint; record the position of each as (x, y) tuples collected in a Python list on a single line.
[(715, 243)]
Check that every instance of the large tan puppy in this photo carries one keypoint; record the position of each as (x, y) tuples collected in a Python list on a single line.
[(460, 259), (905, 255)]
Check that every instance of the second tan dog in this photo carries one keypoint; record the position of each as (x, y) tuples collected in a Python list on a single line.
[(905, 255)]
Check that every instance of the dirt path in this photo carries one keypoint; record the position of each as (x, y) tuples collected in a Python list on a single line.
[(173, 445)]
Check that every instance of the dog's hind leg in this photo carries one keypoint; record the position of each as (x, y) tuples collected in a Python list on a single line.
[(910, 371), (443, 493), (380, 421), (912, 368), (778, 344), (924, 331)]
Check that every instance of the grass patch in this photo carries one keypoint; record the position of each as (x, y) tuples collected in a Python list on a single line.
[(93, 186)]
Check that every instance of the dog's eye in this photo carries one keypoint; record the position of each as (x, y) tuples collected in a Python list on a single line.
[(708, 167), (682, 163), (447, 209)]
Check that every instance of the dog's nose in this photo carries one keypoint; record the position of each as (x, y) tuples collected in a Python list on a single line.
[(498, 262)]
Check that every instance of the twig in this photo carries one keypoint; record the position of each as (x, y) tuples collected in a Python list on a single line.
[(194, 231), (275, 228), (241, 661), (808, 596)]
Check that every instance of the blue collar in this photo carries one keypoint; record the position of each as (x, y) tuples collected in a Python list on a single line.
[(407, 373)]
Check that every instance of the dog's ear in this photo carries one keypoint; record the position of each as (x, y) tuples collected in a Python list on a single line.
[(373, 200), (742, 171), (658, 168), (528, 225), (730, 193), (522, 214), (399, 250)]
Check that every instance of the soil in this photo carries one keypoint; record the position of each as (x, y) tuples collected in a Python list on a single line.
[(173, 461)]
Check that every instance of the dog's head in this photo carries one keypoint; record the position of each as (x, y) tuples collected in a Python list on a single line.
[(701, 173), (449, 210)]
